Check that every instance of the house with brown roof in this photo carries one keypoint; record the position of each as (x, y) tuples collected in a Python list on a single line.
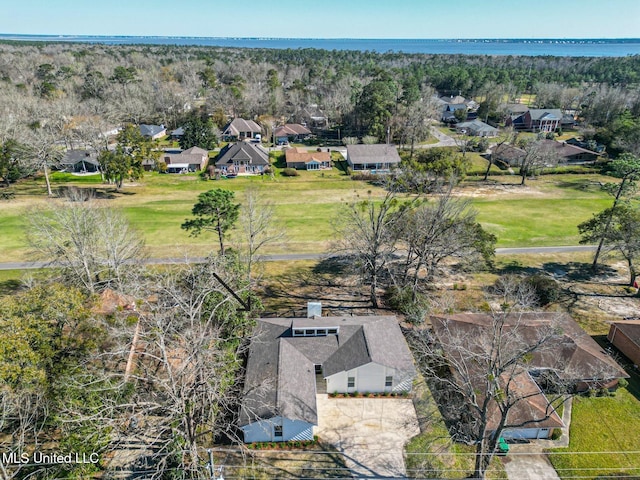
[(572, 154), (558, 353), (375, 158), (292, 360), (193, 159), (291, 132), (302, 159), (239, 129), (625, 336)]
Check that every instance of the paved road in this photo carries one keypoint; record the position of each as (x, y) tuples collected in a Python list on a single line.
[(310, 256)]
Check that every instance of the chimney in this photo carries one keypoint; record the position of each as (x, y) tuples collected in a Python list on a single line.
[(314, 309)]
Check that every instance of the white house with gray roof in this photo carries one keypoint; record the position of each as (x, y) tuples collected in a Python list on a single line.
[(372, 157), (291, 360)]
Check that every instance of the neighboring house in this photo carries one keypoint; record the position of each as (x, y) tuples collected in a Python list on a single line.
[(239, 129), (625, 336), (591, 145), (192, 160), (572, 154), (311, 116), (448, 112), (152, 131), (508, 155), (291, 132), (536, 120), (291, 360), (80, 161), (177, 134), (375, 158), (301, 159), (570, 356), (476, 128), (242, 158)]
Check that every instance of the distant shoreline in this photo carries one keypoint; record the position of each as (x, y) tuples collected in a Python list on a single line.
[(563, 47)]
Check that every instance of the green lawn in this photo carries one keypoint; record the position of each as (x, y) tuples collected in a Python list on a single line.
[(608, 427), (546, 212)]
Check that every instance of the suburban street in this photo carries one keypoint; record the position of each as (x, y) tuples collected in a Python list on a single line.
[(288, 257)]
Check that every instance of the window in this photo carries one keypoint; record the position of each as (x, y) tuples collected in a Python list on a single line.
[(318, 369), (298, 333), (309, 333), (351, 382), (277, 431), (388, 381), (321, 332), (332, 331)]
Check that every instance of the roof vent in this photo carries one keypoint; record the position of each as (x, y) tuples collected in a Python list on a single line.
[(314, 309)]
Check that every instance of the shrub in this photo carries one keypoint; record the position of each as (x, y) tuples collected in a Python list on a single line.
[(623, 383), (546, 288), (290, 172), (556, 434), (402, 300)]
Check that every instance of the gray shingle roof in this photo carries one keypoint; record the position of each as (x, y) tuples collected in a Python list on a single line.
[(150, 130), (249, 153), (545, 114), (280, 378), (367, 154), (238, 125)]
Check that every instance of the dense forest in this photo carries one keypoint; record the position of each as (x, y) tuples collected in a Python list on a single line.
[(75, 91)]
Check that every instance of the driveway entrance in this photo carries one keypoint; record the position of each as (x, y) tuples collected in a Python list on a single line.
[(370, 432)]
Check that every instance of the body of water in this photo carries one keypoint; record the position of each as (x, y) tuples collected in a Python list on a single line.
[(528, 47)]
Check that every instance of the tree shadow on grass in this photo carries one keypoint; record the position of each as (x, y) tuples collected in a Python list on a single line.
[(579, 271), (11, 286), (334, 265)]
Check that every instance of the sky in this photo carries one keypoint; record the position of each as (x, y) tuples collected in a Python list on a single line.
[(325, 18)]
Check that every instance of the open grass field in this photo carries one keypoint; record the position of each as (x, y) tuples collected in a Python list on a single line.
[(604, 440), (545, 212)]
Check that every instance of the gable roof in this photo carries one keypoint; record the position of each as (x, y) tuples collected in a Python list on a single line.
[(195, 151), (476, 126), (291, 129), (299, 155), (570, 351), (280, 378), (631, 330), (151, 130), (545, 114), (249, 153), (564, 149), (71, 157), (380, 153), (238, 125)]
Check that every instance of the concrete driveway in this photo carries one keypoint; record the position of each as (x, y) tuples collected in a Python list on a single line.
[(370, 432), (527, 462)]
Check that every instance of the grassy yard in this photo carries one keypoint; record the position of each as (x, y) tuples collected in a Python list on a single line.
[(545, 212), (604, 437)]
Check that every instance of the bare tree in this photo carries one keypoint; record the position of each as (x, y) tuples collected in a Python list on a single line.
[(188, 361), (257, 218), (441, 230), (538, 155), (95, 246), (367, 229), (480, 376)]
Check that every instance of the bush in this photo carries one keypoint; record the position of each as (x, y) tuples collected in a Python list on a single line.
[(556, 434), (290, 172), (401, 299), (546, 288), (623, 383)]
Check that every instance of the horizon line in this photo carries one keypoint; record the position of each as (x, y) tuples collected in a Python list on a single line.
[(235, 37)]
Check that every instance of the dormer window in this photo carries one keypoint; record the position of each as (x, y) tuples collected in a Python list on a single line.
[(314, 332)]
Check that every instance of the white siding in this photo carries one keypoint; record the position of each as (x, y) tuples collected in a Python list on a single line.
[(262, 431), (529, 433), (368, 378)]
